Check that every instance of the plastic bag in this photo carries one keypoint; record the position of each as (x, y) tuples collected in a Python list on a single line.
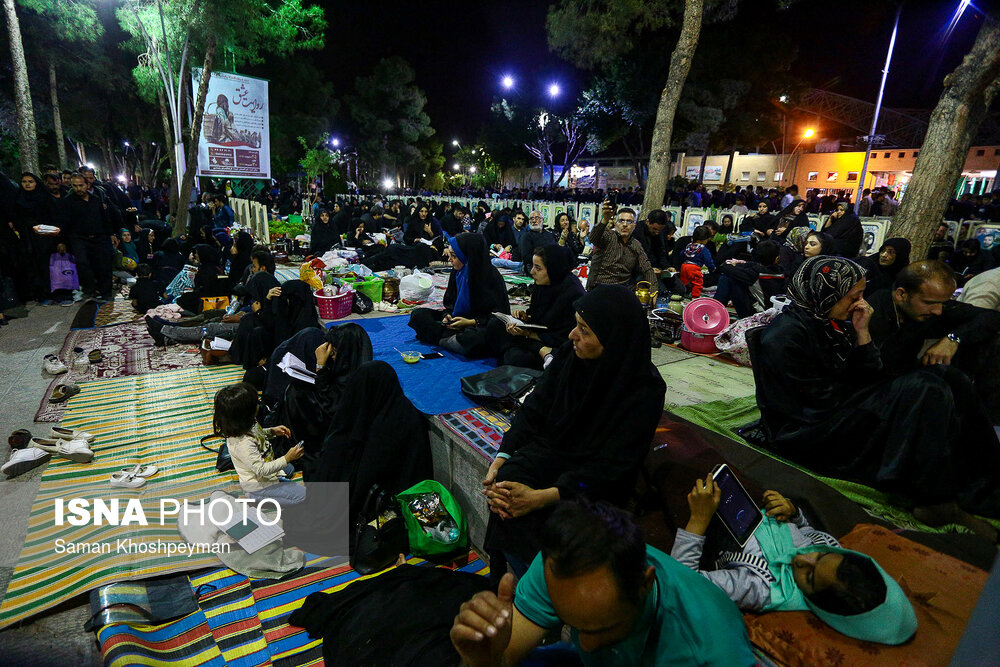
[(427, 519), (62, 272), (416, 287), (308, 275)]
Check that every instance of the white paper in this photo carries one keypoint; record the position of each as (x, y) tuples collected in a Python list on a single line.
[(261, 536), (510, 319), (220, 344)]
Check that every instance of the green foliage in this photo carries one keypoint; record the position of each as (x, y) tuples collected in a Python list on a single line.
[(318, 159), (435, 182), (595, 32), (66, 20), (388, 111)]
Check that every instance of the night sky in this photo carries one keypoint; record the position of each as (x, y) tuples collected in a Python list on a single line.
[(460, 50)]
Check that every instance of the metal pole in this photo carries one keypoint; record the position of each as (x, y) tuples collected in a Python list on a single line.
[(878, 108)]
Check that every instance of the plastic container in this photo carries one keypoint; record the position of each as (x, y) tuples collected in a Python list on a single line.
[(410, 356), (334, 307), (704, 319)]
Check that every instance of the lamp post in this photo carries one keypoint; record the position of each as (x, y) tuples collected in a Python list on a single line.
[(805, 135), (872, 138)]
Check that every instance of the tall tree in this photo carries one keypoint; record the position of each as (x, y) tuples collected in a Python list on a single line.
[(51, 30), (245, 30), (605, 22), (968, 93), (387, 108), (27, 137)]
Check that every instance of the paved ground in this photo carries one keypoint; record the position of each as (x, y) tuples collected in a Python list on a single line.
[(56, 638)]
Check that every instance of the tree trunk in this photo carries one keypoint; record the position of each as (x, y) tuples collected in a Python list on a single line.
[(27, 138), (180, 226), (56, 116), (663, 127), (968, 92), (169, 137)]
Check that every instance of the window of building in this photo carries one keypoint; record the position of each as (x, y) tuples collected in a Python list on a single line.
[(852, 176), (981, 152), (761, 176), (745, 176), (996, 151), (778, 175), (813, 175), (916, 153), (887, 156)]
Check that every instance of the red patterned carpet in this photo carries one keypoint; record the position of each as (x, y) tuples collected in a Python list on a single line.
[(127, 349)]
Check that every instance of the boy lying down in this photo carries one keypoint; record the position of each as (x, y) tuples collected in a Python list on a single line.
[(787, 565)]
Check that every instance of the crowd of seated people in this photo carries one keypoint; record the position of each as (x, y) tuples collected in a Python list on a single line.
[(846, 385)]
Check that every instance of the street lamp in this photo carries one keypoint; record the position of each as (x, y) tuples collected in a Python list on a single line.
[(455, 166), (387, 183), (454, 142), (507, 81), (808, 133), (554, 90), (335, 142), (472, 169)]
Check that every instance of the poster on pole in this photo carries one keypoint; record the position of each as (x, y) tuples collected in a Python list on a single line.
[(235, 140)]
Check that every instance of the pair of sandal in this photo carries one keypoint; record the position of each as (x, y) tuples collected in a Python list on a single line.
[(133, 478), (385, 307)]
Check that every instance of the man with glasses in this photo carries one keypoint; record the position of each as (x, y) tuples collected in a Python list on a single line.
[(619, 258), (535, 237)]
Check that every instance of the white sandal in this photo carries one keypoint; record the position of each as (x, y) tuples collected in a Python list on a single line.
[(62, 433), (142, 471), (126, 480)]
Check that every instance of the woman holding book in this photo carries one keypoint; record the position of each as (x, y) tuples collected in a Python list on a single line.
[(475, 291), (549, 316)]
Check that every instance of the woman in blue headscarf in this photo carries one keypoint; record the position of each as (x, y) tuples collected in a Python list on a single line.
[(475, 291)]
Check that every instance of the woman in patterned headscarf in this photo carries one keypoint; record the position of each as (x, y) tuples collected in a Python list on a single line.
[(826, 404)]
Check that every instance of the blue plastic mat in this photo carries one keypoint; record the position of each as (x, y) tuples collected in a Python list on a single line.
[(433, 385)]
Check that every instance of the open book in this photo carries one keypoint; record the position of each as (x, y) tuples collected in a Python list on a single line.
[(296, 368), (251, 535), (510, 319)]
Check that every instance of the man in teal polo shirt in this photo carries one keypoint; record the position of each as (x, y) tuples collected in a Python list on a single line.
[(625, 602)]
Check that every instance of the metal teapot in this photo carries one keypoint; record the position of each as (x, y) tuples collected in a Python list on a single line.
[(646, 295)]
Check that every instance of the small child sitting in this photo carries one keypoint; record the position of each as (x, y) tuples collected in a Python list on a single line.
[(261, 475), (787, 565), (146, 293), (695, 256)]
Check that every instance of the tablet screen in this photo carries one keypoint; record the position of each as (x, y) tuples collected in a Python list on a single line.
[(736, 509)]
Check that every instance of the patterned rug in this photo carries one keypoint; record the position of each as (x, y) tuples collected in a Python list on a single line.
[(157, 419), (127, 349), (245, 620), (482, 428)]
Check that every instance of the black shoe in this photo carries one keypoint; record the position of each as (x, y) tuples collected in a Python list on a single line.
[(155, 328)]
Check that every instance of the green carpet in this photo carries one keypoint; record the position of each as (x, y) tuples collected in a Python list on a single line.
[(725, 416)]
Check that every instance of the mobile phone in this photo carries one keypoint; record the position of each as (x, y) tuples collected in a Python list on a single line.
[(737, 510), (240, 530), (431, 355)]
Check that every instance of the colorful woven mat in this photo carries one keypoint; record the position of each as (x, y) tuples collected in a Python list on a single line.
[(482, 428), (246, 618), (127, 349), (150, 419)]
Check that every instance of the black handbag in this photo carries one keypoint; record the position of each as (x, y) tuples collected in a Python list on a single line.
[(500, 385), (377, 547), (362, 304), (223, 461)]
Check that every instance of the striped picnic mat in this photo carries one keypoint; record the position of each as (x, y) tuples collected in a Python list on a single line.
[(247, 618), (151, 419)]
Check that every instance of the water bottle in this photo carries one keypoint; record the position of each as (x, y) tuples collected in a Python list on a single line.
[(204, 333)]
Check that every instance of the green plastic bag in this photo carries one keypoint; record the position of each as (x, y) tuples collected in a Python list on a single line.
[(422, 544)]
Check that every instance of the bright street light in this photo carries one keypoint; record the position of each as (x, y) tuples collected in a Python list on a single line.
[(454, 142), (335, 142), (455, 166), (472, 169), (507, 81), (808, 133), (126, 144), (554, 90), (387, 183), (783, 99)]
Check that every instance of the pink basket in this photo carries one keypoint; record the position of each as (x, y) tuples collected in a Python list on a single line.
[(334, 307)]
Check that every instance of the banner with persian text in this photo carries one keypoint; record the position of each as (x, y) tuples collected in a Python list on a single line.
[(234, 141)]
